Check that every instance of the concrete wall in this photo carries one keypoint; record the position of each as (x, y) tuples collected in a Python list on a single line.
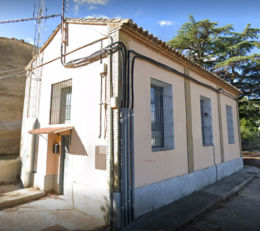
[(153, 196)]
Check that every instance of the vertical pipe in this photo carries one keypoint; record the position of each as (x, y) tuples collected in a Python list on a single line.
[(220, 127), (238, 128), (111, 186), (132, 167), (111, 210)]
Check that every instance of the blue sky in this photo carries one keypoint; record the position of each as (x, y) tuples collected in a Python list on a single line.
[(162, 18)]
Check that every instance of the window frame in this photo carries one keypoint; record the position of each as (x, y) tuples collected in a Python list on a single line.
[(230, 126), (166, 105), (56, 110), (206, 123)]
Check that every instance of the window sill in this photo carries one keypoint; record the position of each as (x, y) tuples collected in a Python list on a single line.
[(161, 149)]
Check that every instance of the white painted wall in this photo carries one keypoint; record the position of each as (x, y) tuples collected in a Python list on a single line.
[(84, 118)]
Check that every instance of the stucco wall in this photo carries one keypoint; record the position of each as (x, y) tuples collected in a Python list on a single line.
[(156, 166), (204, 155), (231, 151), (84, 118), (151, 167)]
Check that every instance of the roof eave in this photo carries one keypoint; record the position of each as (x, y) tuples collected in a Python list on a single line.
[(162, 45)]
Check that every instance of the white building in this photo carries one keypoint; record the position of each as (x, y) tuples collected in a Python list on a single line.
[(122, 123)]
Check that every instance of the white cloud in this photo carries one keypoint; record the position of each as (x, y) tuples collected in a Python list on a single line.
[(165, 23), (102, 16), (97, 16), (92, 7), (93, 2)]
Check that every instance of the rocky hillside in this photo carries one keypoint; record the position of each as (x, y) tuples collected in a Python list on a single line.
[(14, 54)]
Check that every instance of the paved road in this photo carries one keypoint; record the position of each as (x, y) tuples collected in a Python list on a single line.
[(240, 212), (52, 213)]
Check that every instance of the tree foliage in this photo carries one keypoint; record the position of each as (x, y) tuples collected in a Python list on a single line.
[(232, 55), (198, 40), (223, 51), (250, 118)]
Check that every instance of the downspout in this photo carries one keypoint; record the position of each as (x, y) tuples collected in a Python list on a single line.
[(111, 208), (130, 78)]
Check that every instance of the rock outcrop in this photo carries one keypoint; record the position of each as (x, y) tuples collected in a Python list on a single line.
[(14, 55)]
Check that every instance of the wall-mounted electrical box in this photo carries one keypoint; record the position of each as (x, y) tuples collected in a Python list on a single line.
[(101, 157)]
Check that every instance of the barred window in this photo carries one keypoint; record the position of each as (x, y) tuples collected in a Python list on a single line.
[(206, 121), (161, 116), (230, 125), (61, 102)]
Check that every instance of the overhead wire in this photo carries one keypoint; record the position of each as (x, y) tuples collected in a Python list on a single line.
[(6, 71), (29, 19), (18, 74)]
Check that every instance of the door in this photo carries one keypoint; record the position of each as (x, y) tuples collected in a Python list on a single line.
[(65, 185)]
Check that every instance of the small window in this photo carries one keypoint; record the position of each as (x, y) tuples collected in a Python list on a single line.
[(206, 121), (61, 102), (230, 126), (161, 116)]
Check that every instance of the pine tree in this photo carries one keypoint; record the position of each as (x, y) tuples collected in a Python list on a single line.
[(220, 49), (198, 39), (230, 55), (237, 64)]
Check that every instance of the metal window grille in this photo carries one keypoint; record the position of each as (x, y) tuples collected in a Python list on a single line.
[(161, 116), (206, 121), (230, 125), (61, 102)]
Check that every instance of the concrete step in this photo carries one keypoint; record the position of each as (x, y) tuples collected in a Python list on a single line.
[(21, 196)]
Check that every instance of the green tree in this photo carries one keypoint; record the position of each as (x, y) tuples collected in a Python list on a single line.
[(250, 118), (230, 55), (237, 64), (223, 51), (198, 40)]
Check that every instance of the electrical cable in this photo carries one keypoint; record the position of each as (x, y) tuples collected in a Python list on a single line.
[(11, 70), (19, 74), (30, 19), (168, 68)]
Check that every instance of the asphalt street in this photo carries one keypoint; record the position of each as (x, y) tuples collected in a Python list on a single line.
[(239, 212)]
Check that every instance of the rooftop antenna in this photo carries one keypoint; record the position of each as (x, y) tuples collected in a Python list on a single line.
[(63, 30), (38, 23), (36, 75)]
